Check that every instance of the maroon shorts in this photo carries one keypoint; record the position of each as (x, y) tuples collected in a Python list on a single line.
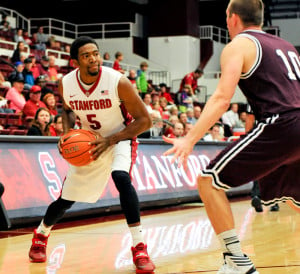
[(270, 153)]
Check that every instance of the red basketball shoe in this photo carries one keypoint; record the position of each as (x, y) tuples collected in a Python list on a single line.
[(141, 259), (37, 252)]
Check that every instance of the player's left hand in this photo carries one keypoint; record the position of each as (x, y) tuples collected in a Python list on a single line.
[(101, 144), (181, 150)]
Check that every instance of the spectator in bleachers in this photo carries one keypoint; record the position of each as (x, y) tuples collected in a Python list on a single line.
[(34, 67), (118, 58), (41, 81), (165, 93), (6, 30), (187, 127), (157, 124), (154, 98), (50, 102), (34, 103), (42, 39), (197, 112), (147, 101), (185, 98), (178, 130), (106, 58), (141, 81), (3, 82), (41, 123), (191, 80), (132, 78), (215, 134), (43, 67), (34, 43), (190, 116), (56, 127), (18, 72), (53, 69), (165, 114), (230, 119), (14, 94), (17, 52), (4, 107), (183, 117), (27, 39), (4, 22), (174, 110), (27, 74), (18, 37), (169, 126)]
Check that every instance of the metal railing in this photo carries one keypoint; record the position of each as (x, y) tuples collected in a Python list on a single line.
[(214, 33), (58, 27)]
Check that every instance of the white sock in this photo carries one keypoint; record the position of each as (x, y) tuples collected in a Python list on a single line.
[(137, 234), (230, 242), (43, 229)]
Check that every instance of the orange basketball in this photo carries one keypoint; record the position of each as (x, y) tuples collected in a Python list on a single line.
[(75, 147)]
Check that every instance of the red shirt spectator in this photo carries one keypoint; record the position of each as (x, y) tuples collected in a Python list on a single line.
[(34, 102), (191, 79), (118, 59), (165, 93)]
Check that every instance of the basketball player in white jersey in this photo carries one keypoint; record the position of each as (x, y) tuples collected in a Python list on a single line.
[(107, 104)]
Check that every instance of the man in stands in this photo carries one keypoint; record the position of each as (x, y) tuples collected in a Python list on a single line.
[(191, 79), (34, 102)]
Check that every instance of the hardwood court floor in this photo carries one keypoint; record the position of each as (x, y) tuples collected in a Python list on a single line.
[(180, 240)]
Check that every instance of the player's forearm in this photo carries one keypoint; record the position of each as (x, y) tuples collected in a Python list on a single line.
[(68, 119)]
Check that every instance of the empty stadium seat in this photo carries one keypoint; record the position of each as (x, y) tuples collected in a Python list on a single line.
[(18, 132), (4, 131), (14, 119)]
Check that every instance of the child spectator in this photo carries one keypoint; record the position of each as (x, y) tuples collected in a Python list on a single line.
[(106, 59), (52, 70), (165, 93), (118, 58), (141, 82)]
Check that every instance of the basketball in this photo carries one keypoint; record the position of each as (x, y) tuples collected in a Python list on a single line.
[(75, 147)]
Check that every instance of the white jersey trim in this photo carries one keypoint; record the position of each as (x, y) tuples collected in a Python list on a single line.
[(258, 55)]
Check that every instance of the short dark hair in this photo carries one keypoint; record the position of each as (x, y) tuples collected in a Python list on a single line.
[(78, 43), (56, 118), (199, 71), (251, 12)]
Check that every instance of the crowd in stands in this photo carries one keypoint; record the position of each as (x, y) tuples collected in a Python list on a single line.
[(29, 82)]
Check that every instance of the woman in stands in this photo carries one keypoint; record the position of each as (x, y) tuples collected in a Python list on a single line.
[(41, 123)]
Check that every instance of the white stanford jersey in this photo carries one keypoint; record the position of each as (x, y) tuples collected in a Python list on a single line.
[(99, 108)]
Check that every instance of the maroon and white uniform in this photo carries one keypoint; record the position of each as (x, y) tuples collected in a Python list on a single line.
[(100, 110), (271, 151)]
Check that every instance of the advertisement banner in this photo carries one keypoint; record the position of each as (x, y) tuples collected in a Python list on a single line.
[(32, 172)]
